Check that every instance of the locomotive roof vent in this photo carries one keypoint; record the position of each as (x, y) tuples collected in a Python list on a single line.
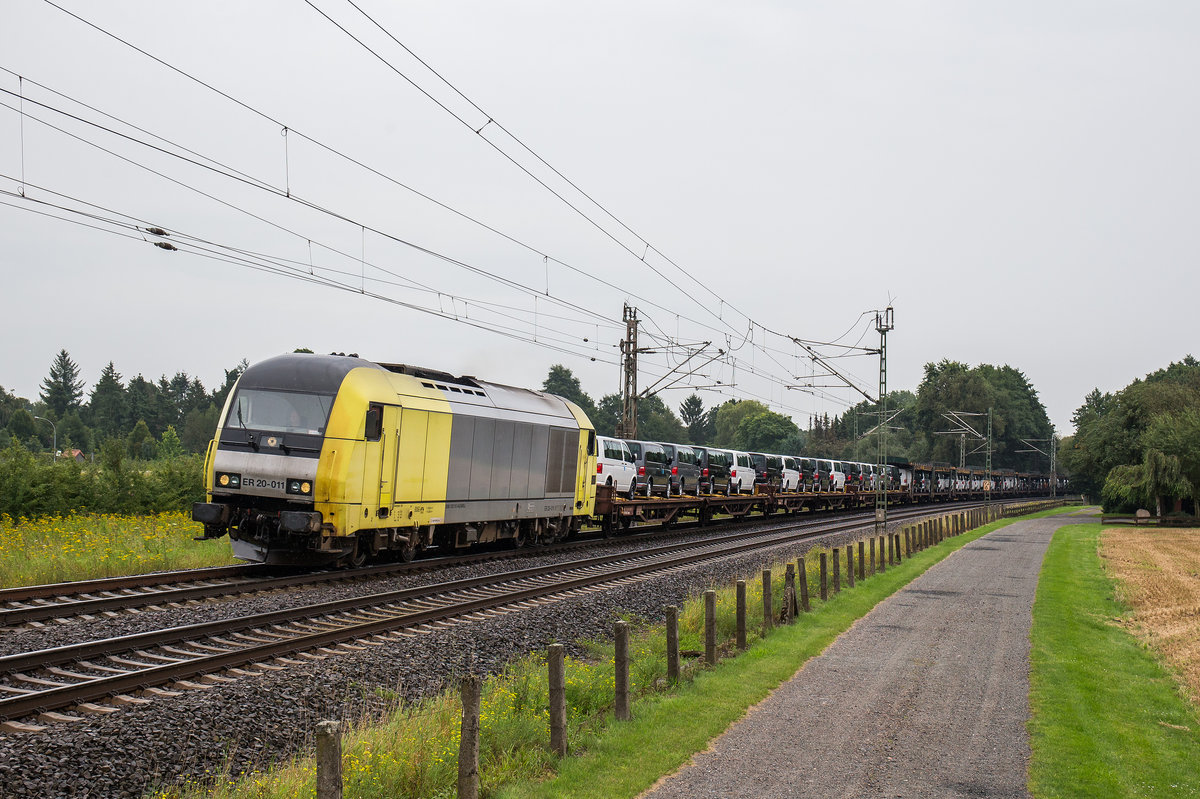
[(455, 389), (433, 378)]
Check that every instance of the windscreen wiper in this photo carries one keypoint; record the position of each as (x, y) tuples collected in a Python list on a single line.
[(249, 435)]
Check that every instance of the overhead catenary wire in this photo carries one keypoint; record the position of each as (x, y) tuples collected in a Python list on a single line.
[(216, 166), (350, 159), (491, 121), (293, 198), (222, 253), (733, 344), (730, 345)]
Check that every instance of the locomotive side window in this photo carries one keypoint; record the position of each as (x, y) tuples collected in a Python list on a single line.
[(374, 426), (591, 450)]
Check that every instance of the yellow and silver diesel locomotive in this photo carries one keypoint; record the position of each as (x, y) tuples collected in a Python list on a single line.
[(333, 459)]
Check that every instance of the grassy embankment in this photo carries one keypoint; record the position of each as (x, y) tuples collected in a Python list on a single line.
[(1108, 718), (414, 752), (79, 547)]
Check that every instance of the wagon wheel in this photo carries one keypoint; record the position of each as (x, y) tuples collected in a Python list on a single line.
[(409, 550)]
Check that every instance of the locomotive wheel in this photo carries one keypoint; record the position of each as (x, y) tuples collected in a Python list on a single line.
[(358, 557), (409, 550)]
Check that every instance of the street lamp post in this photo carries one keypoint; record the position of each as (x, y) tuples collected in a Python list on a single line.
[(54, 429)]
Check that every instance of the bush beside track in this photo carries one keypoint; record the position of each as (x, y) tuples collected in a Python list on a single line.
[(33, 486)]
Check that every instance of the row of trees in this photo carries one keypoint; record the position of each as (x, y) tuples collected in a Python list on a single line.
[(164, 417), (914, 433), (1140, 447), (166, 422)]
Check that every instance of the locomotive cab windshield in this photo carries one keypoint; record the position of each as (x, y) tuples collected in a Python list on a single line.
[(279, 411)]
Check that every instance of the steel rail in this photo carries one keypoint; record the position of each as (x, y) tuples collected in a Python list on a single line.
[(245, 580), (660, 559), (25, 593)]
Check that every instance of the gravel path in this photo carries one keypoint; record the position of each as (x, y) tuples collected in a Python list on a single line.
[(926, 696)]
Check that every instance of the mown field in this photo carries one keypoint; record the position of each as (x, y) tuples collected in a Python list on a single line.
[(1158, 576), (1111, 716), (55, 549)]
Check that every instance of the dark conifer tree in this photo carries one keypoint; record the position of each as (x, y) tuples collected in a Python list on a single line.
[(62, 390), (109, 405)]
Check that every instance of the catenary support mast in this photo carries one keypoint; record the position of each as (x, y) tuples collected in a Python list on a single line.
[(883, 323), (627, 427)]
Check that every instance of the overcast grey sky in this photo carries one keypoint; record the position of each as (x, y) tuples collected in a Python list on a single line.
[(1021, 177)]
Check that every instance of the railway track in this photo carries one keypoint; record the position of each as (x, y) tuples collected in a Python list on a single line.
[(35, 685), (44, 603)]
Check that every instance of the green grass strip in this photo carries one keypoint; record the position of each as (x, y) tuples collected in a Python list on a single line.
[(668, 729), (1108, 719)]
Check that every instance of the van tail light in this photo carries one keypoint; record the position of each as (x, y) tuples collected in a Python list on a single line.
[(599, 468), (674, 470), (641, 471), (704, 472)]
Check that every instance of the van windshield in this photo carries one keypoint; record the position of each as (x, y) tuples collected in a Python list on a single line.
[(282, 411)]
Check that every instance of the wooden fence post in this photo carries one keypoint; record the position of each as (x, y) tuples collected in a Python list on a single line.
[(672, 643), (768, 603), (621, 662), (789, 594), (871, 543), (862, 575), (802, 570), (837, 571), (468, 743), (710, 627), (741, 614), (329, 760), (824, 577), (556, 662), (882, 557), (899, 557), (850, 565)]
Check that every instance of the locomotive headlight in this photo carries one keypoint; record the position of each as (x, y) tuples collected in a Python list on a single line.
[(227, 480), (297, 486)]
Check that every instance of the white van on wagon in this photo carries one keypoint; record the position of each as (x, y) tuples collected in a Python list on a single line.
[(741, 474), (790, 481), (614, 465), (837, 478)]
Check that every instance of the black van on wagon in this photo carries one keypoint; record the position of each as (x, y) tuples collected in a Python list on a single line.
[(714, 470), (685, 474), (653, 468)]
